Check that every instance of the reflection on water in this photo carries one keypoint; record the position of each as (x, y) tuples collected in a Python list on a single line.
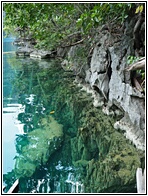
[(36, 127), (10, 108), (54, 140), (63, 181)]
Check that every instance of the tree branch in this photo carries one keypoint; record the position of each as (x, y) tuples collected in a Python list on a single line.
[(137, 31), (73, 44), (136, 66)]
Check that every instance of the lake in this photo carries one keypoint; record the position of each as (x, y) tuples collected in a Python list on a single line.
[(29, 88), (54, 139)]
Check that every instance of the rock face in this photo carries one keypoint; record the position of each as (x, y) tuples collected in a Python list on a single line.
[(99, 68), (24, 51), (41, 54), (107, 77), (117, 86)]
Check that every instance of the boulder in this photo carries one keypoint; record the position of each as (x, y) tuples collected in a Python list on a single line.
[(40, 54), (24, 51)]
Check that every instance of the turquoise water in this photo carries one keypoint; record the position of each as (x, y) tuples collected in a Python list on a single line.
[(9, 113), (54, 140), (32, 147)]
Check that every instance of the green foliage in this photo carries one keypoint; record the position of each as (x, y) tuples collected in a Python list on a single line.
[(102, 13), (139, 9), (51, 23), (132, 59), (142, 73)]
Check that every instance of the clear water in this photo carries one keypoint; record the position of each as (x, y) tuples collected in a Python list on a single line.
[(9, 112), (27, 99), (54, 140)]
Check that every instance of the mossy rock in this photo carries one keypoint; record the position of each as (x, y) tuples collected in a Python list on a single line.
[(41, 144), (81, 163)]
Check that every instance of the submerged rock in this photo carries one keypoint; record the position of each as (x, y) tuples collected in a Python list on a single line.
[(103, 159), (41, 143)]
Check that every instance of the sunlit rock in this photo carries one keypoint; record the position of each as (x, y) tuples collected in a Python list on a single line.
[(40, 54)]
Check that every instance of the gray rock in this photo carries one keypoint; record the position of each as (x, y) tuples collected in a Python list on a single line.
[(24, 51), (106, 76), (98, 61), (61, 52), (40, 54), (123, 93), (118, 86)]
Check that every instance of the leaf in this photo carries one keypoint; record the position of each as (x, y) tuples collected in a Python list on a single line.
[(52, 112), (139, 9), (96, 19)]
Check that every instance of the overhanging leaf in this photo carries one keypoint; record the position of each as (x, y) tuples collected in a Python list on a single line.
[(139, 9)]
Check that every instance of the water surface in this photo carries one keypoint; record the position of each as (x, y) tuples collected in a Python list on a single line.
[(29, 91), (55, 141)]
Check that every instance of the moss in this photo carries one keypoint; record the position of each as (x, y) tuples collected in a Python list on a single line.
[(116, 154), (81, 163), (42, 143)]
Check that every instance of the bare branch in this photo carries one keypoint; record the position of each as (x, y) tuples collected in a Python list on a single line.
[(136, 66), (73, 44)]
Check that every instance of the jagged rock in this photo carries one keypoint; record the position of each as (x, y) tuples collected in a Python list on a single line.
[(99, 60), (99, 66), (130, 99), (61, 52), (24, 51), (116, 86), (41, 54), (19, 42), (131, 133)]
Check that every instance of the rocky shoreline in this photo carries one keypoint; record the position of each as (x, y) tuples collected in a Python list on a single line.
[(26, 48), (105, 77)]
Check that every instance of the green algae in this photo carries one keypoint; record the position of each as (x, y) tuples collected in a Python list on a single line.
[(81, 163), (41, 144), (110, 159)]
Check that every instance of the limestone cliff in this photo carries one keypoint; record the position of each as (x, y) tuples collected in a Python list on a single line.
[(103, 73)]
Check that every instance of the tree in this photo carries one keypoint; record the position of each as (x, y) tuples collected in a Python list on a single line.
[(52, 23)]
